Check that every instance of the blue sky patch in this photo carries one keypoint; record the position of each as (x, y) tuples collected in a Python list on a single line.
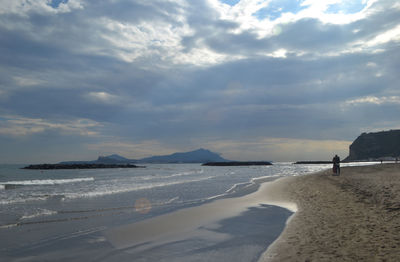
[(230, 2), (277, 7), (56, 3), (347, 7)]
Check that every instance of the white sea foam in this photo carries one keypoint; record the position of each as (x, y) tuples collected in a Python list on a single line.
[(231, 190), (187, 173), (116, 190), (253, 181), (23, 200), (40, 212), (2, 187), (236, 186), (8, 226), (97, 240), (171, 200), (47, 181), (215, 197)]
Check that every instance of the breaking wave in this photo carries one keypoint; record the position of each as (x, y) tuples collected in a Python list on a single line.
[(117, 190), (39, 213), (180, 174), (40, 182), (19, 200)]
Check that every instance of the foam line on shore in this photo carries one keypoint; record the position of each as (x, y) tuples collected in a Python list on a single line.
[(40, 182)]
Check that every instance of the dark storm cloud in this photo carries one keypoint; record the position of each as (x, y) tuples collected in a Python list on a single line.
[(121, 65)]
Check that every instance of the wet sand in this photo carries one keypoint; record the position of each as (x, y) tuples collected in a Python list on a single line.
[(229, 229), (353, 217)]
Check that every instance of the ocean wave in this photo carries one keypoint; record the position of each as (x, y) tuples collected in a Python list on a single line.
[(2, 187), (23, 200), (8, 226), (170, 201), (39, 213), (187, 173), (40, 182), (237, 186), (108, 191)]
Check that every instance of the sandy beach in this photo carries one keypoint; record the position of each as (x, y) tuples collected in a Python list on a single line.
[(353, 217)]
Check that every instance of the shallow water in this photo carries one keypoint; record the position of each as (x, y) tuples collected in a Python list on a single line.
[(64, 214)]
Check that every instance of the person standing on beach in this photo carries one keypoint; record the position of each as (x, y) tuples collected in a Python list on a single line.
[(336, 165)]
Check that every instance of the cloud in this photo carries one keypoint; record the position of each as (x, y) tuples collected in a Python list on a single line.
[(43, 7), (391, 35), (374, 100), (103, 97), (182, 73), (132, 150), (21, 126), (27, 81)]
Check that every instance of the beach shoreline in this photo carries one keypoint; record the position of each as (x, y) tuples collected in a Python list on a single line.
[(226, 214), (310, 217), (227, 229), (351, 217)]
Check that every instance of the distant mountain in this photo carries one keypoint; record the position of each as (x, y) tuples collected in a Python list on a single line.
[(114, 159), (118, 158), (111, 159), (375, 146), (196, 156)]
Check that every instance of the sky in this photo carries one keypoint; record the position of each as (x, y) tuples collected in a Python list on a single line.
[(277, 80)]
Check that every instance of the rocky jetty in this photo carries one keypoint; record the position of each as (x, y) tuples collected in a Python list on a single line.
[(375, 146), (78, 166), (239, 163)]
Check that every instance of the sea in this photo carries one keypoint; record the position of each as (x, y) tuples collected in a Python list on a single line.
[(63, 214)]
